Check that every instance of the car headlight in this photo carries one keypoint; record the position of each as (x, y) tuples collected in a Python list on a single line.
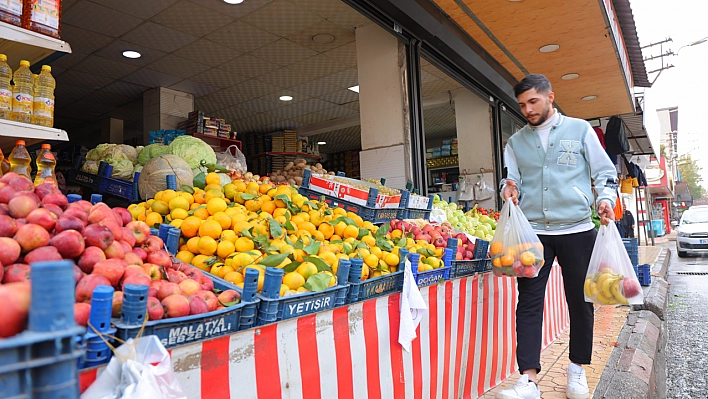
[(683, 234)]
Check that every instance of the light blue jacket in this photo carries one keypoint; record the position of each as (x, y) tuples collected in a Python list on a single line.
[(555, 184)]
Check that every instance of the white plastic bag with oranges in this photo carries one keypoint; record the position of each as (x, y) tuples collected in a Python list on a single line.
[(515, 248), (611, 279)]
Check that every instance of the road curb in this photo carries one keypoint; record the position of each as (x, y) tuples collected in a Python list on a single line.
[(637, 365)]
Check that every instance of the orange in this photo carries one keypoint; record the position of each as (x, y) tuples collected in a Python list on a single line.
[(193, 245), (392, 259), (496, 262), (178, 202), (264, 188), (153, 218), (223, 219), (507, 260), (497, 248), (318, 236), (306, 269), (307, 226), (190, 226), (199, 262), (160, 207), (234, 277), (327, 230), (210, 228), (369, 240), (188, 196), (244, 244), (528, 258), (201, 213), (225, 248), (207, 245), (339, 229), (216, 205), (351, 232), (185, 256), (371, 260), (253, 205), (200, 197), (212, 178), (293, 280), (268, 207)]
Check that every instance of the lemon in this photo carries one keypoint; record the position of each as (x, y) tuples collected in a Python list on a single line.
[(293, 280), (160, 207), (225, 248), (306, 269)]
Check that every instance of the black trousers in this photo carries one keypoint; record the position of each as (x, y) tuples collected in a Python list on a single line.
[(573, 252)]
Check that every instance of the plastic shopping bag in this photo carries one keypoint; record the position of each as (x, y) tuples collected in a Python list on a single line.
[(232, 159), (611, 279), (140, 369), (515, 248)]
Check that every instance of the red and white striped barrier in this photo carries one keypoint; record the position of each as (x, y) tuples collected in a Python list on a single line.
[(465, 346)]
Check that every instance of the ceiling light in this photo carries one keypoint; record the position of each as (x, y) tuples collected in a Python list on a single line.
[(131, 54), (570, 76), (355, 89), (286, 98), (233, 1), (588, 98), (321, 142), (323, 38), (549, 48)]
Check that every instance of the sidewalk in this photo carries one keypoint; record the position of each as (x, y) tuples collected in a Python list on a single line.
[(609, 320)]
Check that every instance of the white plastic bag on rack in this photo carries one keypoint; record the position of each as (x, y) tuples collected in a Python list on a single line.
[(139, 369), (413, 307), (611, 279)]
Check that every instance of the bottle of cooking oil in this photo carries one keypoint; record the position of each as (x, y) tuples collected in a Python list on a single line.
[(22, 93), (45, 166), (5, 88), (43, 106), (2, 159), (20, 160)]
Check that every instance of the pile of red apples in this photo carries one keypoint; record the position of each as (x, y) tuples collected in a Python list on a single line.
[(107, 247)]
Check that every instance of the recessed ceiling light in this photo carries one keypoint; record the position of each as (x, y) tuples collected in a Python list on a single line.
[(286, 98), (570, 76), (321, 142), (131, 54), (355, 89), (549, 48), (233, 1), (323, 38), (588, 98)]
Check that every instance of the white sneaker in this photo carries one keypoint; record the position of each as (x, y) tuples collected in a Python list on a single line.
[(524, 389), (577, 383)]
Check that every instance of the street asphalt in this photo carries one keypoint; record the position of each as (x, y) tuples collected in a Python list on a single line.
[(687, 324)]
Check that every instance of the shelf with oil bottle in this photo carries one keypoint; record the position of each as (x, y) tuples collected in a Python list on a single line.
[(31, 98)]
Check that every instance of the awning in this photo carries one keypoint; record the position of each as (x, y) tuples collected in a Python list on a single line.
[(683, 193), (660, 192), (637, 134)]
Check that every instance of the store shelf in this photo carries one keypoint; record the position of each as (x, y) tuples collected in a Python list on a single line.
[(10, 131), (293, 154), (444, 167), (22, 44)]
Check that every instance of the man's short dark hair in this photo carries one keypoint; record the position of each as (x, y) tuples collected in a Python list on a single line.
[(533, 81)]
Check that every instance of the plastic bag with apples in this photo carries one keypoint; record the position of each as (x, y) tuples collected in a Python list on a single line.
[(515, 248), (611, 279)]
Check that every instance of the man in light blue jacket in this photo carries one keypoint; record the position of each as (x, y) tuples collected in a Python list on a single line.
[(550, 164)]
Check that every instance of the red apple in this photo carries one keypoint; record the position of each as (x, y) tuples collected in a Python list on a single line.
[(114, 227), (155, 287), (141, 253), (100, 212), (160, 258), (175, 276), (168, 288), (228, 297), (631, 288), (53, 209), (126, 248), (82, 311), (154, 271), (7, 177), (31, 236), (98, 236), (8, 226), (43, 217), (43, 254), (134, 269), (189, 287), (21, 183), (57, 199), (9, 251), (117, 304), (137, 279), (78, 213), (197, 305), (131, 258), (518, 269), (83, 204), (155, 309), (124, 214), (78, 274), (85, 287), (114, 251), (153, 244), (210, 298), (21, 206), (90, 257), (65, 223), (15, 300), (529, 271), (6, 194), (44, 189), (140, 230), (70, 244), (128, 236), (16, 273), (176, 305), (111, 269)]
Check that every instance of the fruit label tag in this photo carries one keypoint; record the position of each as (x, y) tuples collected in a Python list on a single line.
[(418, 202), (5, 99), (43, 107), (13, 6), (46, 12), (22, 103)]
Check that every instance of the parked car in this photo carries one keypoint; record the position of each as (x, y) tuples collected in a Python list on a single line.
[(692, 232)]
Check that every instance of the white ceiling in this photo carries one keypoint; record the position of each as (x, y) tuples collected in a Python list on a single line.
[(235, 59)]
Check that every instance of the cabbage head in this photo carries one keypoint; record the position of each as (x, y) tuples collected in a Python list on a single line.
[(192, 150), (153, 177), (129, 152), (137, 168), (90, 167), (93, 155), (113, 151), (122, 168), (151, 151)]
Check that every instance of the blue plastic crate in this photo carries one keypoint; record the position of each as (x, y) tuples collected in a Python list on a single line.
[(462, 268), (95, 350), (644, 274), (481, 249), (288, 307), (190, 329), (408, 212), (375, 287), (36, 365), (117, 187), (85, 179), (434, 276), (632, 247), (373, 215)]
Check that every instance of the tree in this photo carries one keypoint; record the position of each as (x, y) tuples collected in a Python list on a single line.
[(690, 173)]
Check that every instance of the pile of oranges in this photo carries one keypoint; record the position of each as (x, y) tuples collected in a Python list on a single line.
[(520, 260), (229, 229)]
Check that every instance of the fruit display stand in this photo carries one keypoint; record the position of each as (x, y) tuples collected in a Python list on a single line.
[(480, 264), (104, 184), (369, 204), (415, 206), (464, 347), (424, 279)]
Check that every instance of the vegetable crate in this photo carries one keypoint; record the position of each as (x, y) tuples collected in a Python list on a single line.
[(414, 206), (462, 268), (85, 179), (632, 247), (117, 187), (434, 276), (373, 215), (274, 308), (40, 365), (190, 329), (377, 286)]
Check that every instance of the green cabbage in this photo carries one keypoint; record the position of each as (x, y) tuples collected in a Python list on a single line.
[(192, 150), (113, 151), (122, 168), (90, 167), (129, 152), (151, 151), (93, 155)]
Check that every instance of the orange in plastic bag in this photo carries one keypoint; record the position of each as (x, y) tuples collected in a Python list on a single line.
[(515, 248)]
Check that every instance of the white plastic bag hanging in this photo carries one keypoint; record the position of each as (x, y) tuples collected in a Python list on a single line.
[(515, 248), (611, 279), (482, 190), (139, 369), (466, 190)]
